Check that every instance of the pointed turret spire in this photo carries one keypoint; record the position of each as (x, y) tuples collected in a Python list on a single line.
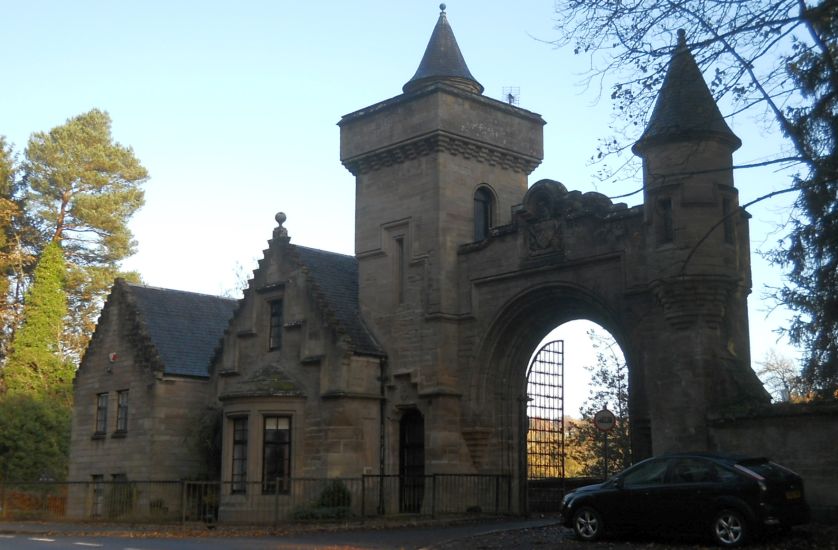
[(443, 61), (685, 109)]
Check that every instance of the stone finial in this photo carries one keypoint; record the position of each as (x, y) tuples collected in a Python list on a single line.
[(280, 232), (442, 8)]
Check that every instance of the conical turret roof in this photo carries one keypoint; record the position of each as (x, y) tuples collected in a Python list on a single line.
[(685, 109), (443, 61)]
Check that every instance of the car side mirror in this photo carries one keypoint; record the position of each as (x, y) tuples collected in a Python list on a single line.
[(618, 483)]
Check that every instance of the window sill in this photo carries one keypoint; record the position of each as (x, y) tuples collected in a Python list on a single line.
[(119, 434), (99, 435)]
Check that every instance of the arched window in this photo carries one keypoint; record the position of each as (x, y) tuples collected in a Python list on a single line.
[(483, 213)]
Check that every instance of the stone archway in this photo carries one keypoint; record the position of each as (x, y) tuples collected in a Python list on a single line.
[(458, 312), (498, 383)]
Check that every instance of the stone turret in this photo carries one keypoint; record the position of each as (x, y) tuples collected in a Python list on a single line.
[(689, 195), (443, 61), (698, 256), (685, 110)]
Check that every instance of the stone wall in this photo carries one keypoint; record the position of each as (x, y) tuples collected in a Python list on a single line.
[(162, 412), (801, 437)]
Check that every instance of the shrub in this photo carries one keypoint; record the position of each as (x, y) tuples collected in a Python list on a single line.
[(333, 503), (334, 494)]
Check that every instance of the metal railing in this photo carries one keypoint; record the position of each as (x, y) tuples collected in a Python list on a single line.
[(294, 499)]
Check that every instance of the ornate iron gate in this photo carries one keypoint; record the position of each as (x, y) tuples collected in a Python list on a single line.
[(545, 430)]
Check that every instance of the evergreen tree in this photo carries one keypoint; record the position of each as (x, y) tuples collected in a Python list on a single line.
[(608, 389), (36, 402), (9, 251), (35, 438), (82, 188), (36, 365)]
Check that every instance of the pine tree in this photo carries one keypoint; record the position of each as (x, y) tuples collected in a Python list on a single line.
[(82, 188), (9, 252)]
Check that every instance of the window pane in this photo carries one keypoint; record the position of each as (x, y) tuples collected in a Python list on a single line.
[(275, 336), (239, 473), (651, 473), (101, 413), (401, 270), (666, 232), (122, 411), (482, 214), (276, 454), (690, 470)]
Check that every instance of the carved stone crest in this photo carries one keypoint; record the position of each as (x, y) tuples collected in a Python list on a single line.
[(544, 237)]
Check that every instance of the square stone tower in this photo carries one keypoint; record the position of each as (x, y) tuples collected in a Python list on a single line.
[(436, 167)]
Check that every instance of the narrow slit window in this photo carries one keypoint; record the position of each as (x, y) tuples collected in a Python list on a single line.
[(275, 337), (666, 232), (483, 212), (400, 270), (728, 221)]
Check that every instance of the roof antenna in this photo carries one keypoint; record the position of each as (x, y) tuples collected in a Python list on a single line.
[(512, 95)]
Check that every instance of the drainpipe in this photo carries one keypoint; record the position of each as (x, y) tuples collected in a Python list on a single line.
[(382, 441)]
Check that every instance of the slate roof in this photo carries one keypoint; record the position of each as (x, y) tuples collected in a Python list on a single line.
[(685, 108), (443, 61), (335, 279), (184, 327)]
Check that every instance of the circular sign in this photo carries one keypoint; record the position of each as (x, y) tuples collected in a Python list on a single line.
[(604, 420)]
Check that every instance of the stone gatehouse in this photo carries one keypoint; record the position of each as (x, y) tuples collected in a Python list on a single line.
[(410, 357)]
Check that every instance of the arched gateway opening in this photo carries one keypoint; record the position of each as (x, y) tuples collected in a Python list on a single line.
[(577, 370), (508, 396)]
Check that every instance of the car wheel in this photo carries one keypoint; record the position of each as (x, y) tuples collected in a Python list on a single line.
[(729, 528), (588, 524)]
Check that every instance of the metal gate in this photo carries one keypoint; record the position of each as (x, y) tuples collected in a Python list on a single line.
[(545, 430)]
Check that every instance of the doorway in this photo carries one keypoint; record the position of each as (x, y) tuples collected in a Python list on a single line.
[(411, 462)]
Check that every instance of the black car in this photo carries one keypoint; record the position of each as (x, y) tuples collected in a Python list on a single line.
[(727, 498)]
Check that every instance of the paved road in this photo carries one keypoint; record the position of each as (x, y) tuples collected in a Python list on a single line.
[(520, 535), (408, 538)]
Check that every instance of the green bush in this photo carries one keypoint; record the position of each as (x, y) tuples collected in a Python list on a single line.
[(335, 494), (333, 503), (320, 513)]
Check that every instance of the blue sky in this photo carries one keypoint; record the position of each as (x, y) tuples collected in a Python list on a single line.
[(232, 107)]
